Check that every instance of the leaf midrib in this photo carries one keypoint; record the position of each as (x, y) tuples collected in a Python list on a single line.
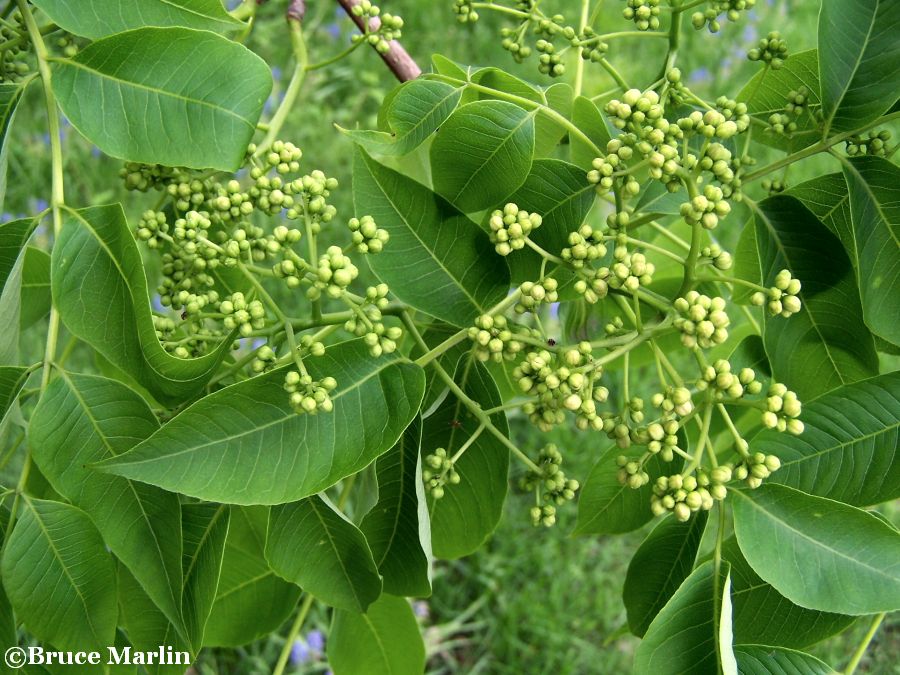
[(153, 90)]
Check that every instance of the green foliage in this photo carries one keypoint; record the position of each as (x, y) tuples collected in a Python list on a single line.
[(605, 288)]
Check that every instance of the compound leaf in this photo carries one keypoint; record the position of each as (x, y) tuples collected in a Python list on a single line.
[(384, 641), (812, 549), (398, 528), (83, 419), (437, 260), (469, 511), (59, 577), (313, 545), (172, 96), (662, 562), (849, 450), (251, 600), (415, 112), (482, 154), (827, 344), (205, 527), (762, 614), (760, 660), (101, 292), (227, 446), (859, 61), (98, 18), (684, 636)]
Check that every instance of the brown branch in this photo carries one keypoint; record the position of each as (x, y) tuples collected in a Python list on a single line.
[(396, 58)]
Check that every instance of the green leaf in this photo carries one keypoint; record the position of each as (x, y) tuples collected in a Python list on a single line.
[(98, 18), (587, 117), (251, 601), (482, 154), (762, 614), (227, 446), (760, 660), (398, 528), (874, 185), (13, 237), (59, 577), (415, 112), (660, 565), (468, 512), (9, 99), (605, 506), (205, 527), (849, 450), (813, 549), (12, 379), (746, 264), (683, 637), (172, 96), (100, 290), (750, 353), (859, 61), (312, 544), (769, 90), (864, 217), (826, 344), (562, 195), (35, 287), (437, 260), (384, 641), (83, 419), (146, 626)]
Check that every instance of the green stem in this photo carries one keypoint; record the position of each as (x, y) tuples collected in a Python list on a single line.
[(298, 45), (292, 635), (864, 645), (337, 57), (815, 149), (616, 75), (579, 66)]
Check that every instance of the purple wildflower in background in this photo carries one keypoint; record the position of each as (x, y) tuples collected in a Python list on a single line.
[(699, 75), (41, 205), (299, 653), (233, 4), (95, 151), (750, 34), (421, 609), (276, 73), (157, 303), (316, 640), (554, 310), (6, 217), (334, 30)]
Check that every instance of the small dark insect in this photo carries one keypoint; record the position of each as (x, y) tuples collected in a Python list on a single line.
[(551, 342), (455, 424), (184, 315)]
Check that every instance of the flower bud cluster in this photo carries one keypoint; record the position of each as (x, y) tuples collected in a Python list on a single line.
[(675, 400), (710, 17), (726, 384), (264, 359), (706, 208), (585, 245), (644, 13), (755, 468), (593, 49), (368, 323), (685, 495), (559, 387), (782, 298), (664, 437), (14, 64), (390, 27), (783, 410), (874, 144), (439, 472), (307, 396), (771, 50), (494, 341), (334, 274), (703, 322), (629, 271), (549, 62), (550, 485), (366, 235), (465, 12), (720, 259), (510, 228), (536, 293), (242, 315)]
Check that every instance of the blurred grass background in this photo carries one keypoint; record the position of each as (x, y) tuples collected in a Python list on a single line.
[(531, 601)]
